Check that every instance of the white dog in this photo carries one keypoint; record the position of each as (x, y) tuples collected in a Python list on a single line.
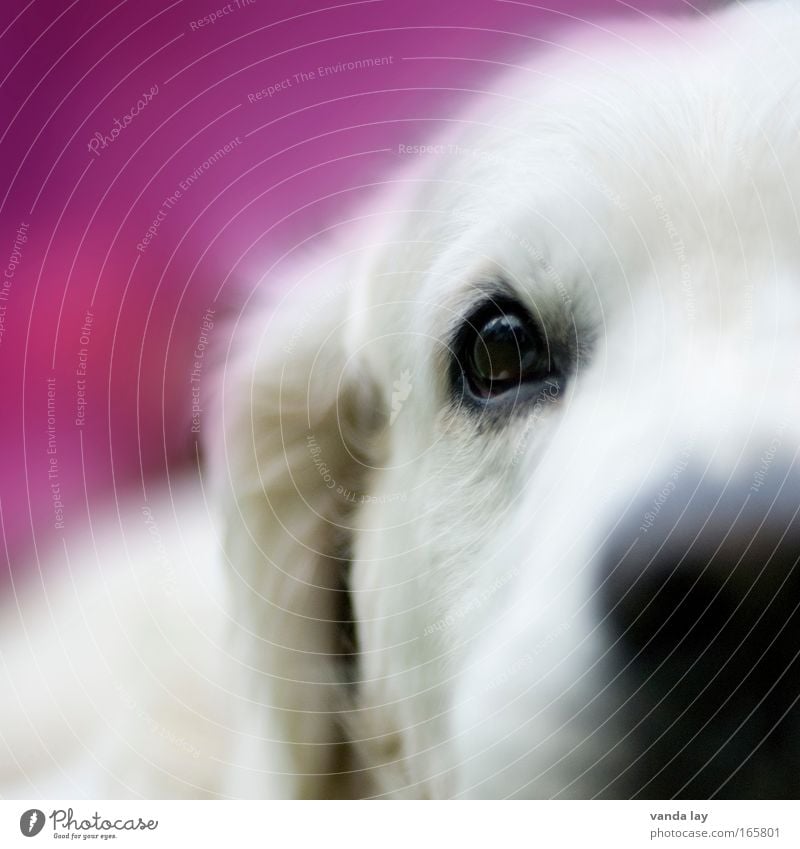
[(507, 484)]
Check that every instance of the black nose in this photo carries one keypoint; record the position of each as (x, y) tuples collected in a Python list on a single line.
[(700, 594)]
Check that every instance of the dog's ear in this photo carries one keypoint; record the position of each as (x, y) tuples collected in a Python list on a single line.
[(300, 414)]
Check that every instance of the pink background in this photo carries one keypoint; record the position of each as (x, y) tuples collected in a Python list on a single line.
[(307, 156)]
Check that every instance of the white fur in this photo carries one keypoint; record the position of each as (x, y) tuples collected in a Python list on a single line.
[(644, 188)]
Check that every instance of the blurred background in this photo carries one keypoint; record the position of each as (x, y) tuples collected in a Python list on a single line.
[(161, 161)]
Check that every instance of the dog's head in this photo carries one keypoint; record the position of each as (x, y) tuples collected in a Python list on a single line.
[(514, 480)]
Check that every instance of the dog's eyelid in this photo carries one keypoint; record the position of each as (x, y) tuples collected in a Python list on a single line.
[(496, 293), (502, 300)]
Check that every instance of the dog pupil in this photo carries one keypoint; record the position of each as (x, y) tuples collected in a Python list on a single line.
[(504, 350)]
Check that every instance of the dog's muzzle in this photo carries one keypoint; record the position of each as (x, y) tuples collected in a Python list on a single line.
[(700, 593)]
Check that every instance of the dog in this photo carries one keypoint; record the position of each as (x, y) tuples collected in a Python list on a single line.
[(504, 492)]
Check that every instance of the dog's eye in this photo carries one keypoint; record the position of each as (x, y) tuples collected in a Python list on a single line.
[(502, 350)]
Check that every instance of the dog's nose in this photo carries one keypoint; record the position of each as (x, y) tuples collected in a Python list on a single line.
[(700, 592)]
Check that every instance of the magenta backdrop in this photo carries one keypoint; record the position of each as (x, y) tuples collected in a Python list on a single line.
[(85, 413)]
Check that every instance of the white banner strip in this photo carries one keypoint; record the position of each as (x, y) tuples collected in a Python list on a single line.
[(405, 825)]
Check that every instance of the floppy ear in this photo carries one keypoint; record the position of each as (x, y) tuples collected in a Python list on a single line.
[(299, 414)]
